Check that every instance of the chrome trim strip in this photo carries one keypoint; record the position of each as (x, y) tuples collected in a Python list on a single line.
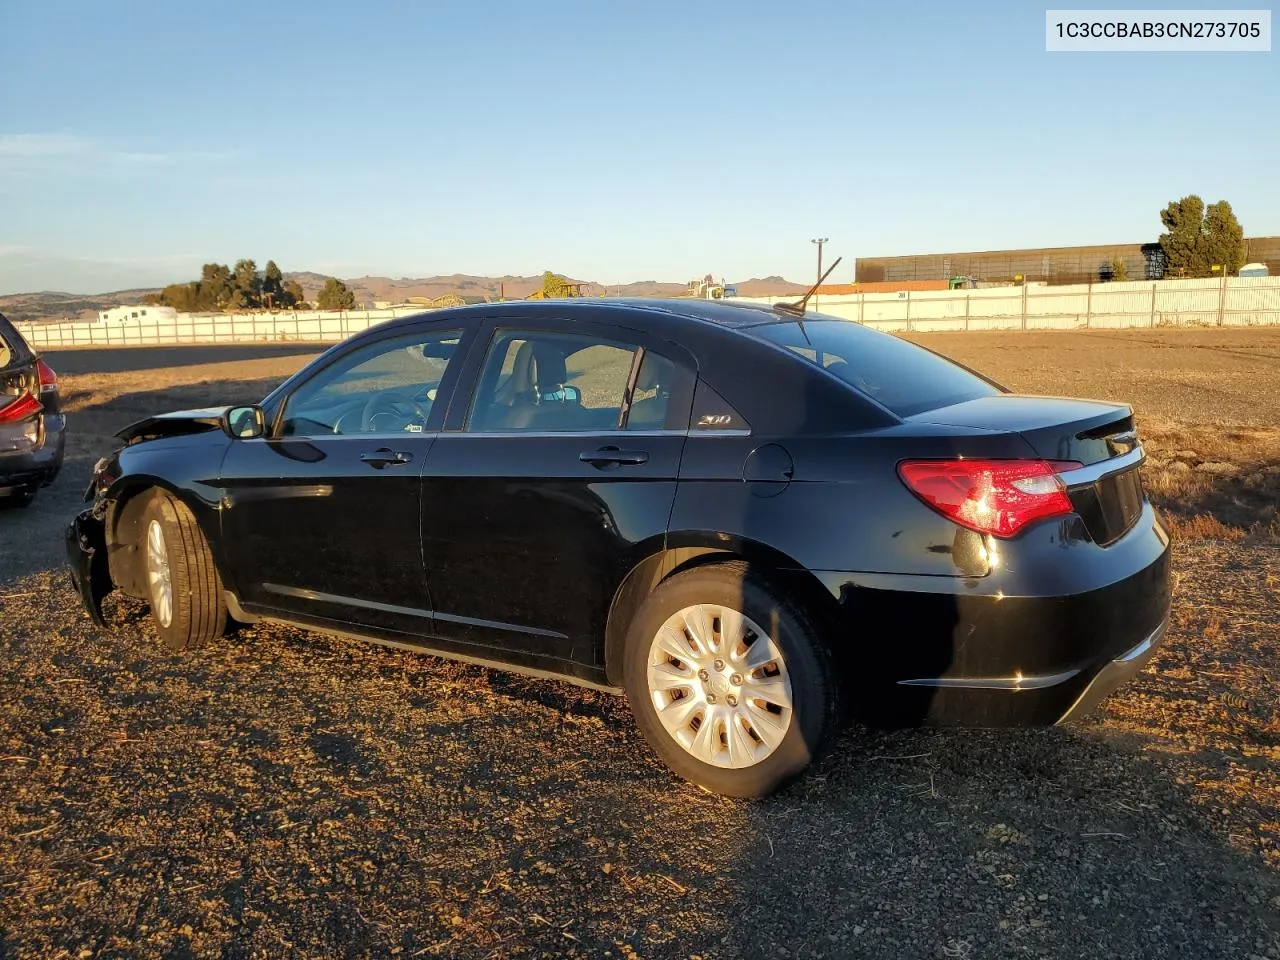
[(303, 594), (499, 625), (1142, 648), (587, 434), (1098, 471), (1012, 684)]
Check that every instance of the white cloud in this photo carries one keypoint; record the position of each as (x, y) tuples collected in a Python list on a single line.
[(64, 154)]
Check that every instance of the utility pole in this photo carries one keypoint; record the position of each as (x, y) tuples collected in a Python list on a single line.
[(819, 241)]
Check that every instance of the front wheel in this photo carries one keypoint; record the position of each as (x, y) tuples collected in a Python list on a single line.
[(729, 681), (188, 606)]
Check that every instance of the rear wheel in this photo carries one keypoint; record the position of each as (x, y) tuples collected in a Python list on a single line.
[(729, 681), (187, 602)]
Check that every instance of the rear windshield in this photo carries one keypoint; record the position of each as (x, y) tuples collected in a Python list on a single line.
[(903, 377), (13, 349)]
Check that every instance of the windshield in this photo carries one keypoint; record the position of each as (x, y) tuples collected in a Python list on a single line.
[(901, 376)]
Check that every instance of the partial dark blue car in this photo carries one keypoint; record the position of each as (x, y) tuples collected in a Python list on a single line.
[(32, 425)]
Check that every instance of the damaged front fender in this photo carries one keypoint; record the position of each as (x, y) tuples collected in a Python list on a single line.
[(87, 558)]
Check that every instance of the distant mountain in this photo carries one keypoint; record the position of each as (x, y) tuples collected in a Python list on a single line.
[(51, 305)]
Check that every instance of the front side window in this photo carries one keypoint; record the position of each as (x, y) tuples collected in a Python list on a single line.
[(388, 387), (548, 382)]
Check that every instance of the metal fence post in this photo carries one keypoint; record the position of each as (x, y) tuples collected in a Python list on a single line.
[(908, 311), (1222, 298), (1152, 322), (1088, 306), (967, 298), (1024, 304)]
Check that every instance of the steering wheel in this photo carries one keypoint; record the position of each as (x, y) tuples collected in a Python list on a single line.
[(381, 403)]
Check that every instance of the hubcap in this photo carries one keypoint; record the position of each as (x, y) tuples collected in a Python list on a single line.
[(720, 686), (158, 578)]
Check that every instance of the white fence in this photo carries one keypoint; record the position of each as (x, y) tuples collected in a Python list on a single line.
[(1244, 301), (1148, 303), (314, 326)]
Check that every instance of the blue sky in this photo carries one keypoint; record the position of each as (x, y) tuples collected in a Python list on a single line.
[(611, 141)]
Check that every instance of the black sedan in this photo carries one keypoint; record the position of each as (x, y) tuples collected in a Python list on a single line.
[(32, 425), (740, 516)]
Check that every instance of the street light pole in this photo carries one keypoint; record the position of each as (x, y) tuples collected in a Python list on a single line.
[(819, 241)]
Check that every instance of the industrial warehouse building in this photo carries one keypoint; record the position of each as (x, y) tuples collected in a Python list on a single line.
[(1143, 261)]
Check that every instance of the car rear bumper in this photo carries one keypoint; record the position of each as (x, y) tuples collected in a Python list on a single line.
[(22, 466), (1016, 648)]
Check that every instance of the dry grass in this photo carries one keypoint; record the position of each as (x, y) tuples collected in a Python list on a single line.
[(1214, 482)]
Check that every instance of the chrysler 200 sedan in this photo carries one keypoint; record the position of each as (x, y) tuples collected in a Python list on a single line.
[(744, 517)]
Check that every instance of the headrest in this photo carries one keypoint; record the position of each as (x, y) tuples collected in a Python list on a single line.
[(654, 370), (549, 371)]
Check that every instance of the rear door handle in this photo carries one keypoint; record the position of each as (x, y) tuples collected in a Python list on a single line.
[(612, 456), (385, 457)]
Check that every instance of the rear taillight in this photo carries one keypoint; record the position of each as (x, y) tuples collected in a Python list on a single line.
[(999, 497), (24, 406), (48, 379)]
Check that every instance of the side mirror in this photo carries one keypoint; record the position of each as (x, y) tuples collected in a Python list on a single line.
[(244, 423)]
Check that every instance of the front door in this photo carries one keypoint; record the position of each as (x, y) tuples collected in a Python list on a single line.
[(560, 474), (321, 518)]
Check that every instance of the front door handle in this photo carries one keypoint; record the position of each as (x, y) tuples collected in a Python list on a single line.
[(612, 456), (385, 457)]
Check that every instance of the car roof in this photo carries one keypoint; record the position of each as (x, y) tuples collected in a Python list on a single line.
[(718, 312)]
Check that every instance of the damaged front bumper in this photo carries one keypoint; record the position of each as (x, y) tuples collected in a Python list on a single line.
[(87, 558)]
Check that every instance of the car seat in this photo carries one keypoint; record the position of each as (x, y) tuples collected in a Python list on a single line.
[(651, 412)]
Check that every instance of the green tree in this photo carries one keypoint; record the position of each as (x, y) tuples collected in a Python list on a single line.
[(273, 294), (246, 286), (555, 286), (334, 295), (1198, 239), (214, 287), (183, 297), (1224, 238), (1119, 270), (293, 292)]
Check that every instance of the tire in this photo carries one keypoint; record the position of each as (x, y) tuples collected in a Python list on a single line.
[(195, 612), (754, 746)]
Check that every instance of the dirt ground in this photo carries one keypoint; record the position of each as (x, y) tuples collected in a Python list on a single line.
[(288, 794)]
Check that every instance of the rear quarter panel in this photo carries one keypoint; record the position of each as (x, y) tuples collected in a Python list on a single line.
[(844, 508)]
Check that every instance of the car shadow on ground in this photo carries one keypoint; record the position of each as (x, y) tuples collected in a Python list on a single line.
[(287, 787)]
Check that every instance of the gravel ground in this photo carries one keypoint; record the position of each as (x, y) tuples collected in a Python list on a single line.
[(291, 794)]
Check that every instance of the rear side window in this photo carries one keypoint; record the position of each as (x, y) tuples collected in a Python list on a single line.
[(902, 377)]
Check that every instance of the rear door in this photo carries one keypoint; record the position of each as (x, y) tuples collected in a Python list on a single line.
[(320, 518), (553, 474)]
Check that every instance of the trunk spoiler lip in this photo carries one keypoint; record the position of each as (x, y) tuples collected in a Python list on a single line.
[(1083, 476)]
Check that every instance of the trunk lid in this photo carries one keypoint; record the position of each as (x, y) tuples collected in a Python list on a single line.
[(1107, 491)]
